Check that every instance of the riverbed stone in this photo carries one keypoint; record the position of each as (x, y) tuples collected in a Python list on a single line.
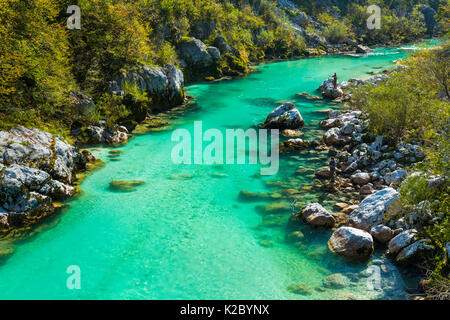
[(126, 185), (415, 252), (317, 216), (401, 241), (247, 196), (351, 243), (335, 281), (291, 133), (331, 123), (323, 173), (395, 176), (372, 209), (286, 116), (350, 209), (382, 233), (274, 208), (300, 288), (360, 178)]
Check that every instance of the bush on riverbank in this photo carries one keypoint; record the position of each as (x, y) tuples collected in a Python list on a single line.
[(409, 105)]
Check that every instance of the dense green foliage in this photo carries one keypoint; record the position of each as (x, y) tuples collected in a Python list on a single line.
[(41, 60), (35, 75), (401, 20), (407, 105)]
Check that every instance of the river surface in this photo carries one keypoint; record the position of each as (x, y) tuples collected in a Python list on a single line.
[(185, 234)]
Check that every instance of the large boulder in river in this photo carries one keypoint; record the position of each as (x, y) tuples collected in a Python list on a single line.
[(351, 243), (317, 216), (328, 89), (285, 116), (362, 49), (372, 209), (164, 85)]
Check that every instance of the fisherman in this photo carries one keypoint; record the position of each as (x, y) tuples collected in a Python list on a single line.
[(332, 166), (335, 81)]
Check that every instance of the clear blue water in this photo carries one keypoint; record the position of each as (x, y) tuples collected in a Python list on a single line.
[(176, 238)]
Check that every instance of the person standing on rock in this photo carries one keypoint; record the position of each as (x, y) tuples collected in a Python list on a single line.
[(332, 166), (335, 81)]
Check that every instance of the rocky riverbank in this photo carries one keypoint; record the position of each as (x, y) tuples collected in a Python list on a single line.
[(371, 169), (37, 170)]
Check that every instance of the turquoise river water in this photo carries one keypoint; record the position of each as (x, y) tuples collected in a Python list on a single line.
[(185, 234)]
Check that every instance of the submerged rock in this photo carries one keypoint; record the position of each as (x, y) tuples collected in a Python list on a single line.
[(335, 281), (292, 145), (295, 236), (247, 196), (317, 216), (274, 208), (300, 288), (285, 116), (291, 133), (351, 243), (125, 186)]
